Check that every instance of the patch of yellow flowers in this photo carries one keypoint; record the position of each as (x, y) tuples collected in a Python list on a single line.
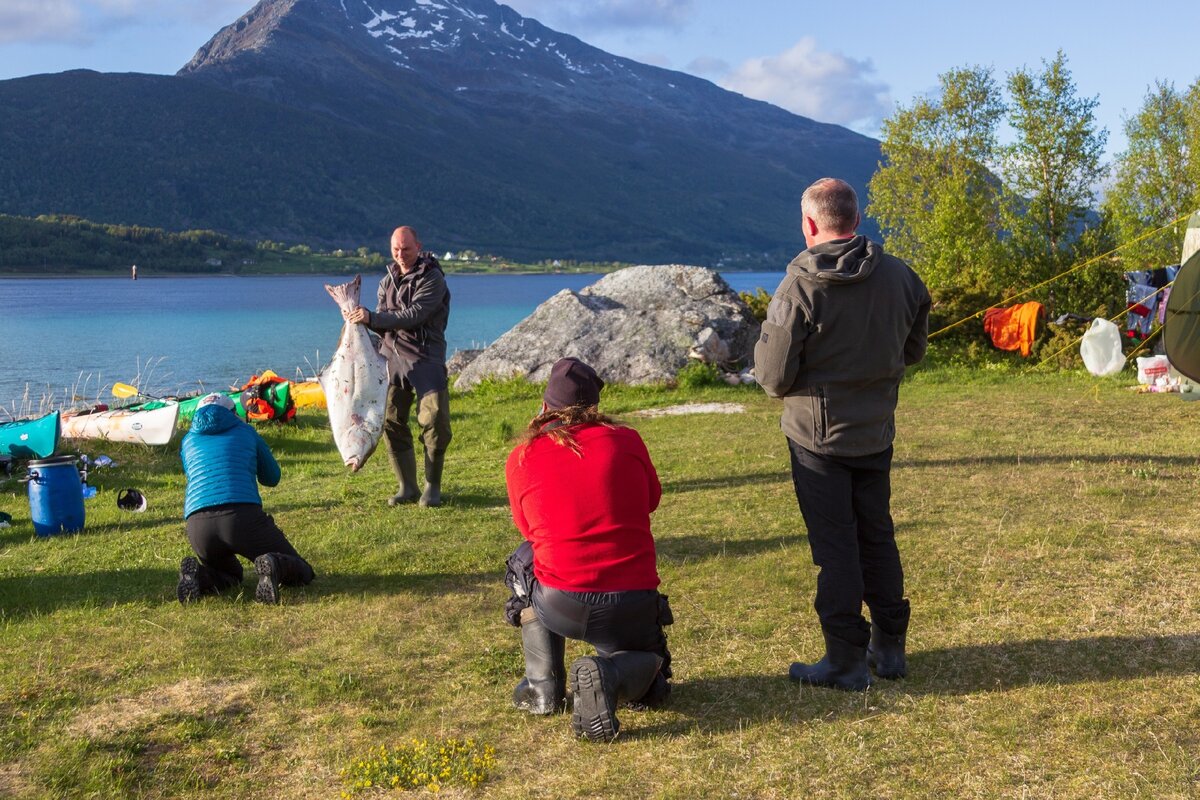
[(431, 764)]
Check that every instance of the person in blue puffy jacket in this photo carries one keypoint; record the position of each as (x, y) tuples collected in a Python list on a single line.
[(224, 460)]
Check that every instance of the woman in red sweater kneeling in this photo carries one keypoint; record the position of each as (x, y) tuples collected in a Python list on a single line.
[(581, 488)]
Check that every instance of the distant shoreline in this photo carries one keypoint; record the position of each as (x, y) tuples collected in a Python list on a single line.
[(159, 275)]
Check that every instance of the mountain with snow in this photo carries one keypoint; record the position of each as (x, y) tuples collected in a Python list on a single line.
[(332, 121)]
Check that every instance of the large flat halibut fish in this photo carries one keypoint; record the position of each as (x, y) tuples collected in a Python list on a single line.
[(355, 383)]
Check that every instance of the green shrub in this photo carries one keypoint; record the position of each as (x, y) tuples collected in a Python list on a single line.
[(758, 300), (697, 374), (1059, 346)]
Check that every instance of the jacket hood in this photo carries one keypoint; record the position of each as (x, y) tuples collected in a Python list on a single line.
[(837, 261), (214, 419), (425, 260)]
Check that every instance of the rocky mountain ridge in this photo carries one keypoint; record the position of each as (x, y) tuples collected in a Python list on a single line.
[(330, 121)]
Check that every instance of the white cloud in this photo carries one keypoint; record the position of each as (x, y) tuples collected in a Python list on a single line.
[(224, 11), (38, 20), (219, 11), (579, 16), (828, 87), (79, 21)]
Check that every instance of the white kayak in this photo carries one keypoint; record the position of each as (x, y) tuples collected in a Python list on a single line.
[(148, 426)]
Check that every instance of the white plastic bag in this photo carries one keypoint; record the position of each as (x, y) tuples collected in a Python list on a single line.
[(1151, 368), (1101, 348)]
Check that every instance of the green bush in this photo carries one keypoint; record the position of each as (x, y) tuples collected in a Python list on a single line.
[(758, 300), (1058, 346), (697, 374)]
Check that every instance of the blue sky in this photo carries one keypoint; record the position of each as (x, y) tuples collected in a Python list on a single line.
[(847, 64)]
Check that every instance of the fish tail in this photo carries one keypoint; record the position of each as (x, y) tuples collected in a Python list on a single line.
[(346, 293)]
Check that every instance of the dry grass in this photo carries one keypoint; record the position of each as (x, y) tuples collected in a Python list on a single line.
[(1048, 526)]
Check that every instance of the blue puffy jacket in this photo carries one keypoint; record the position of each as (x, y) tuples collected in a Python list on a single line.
[(224, 460)]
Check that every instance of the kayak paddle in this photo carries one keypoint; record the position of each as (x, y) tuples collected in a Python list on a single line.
[(125, 390)]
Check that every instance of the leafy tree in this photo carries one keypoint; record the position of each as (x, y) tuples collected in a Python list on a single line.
[(1099, 289), (1158, 176), (1053, 167), (933, 195)]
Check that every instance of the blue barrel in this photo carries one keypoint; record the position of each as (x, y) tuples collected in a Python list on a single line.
[(55, 496)]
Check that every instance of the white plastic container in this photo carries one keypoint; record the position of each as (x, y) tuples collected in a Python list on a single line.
[(1152, 368)]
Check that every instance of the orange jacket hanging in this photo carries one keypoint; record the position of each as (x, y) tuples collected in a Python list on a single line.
[(1013, 328)]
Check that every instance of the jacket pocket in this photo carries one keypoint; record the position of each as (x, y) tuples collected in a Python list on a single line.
[(820, 414)]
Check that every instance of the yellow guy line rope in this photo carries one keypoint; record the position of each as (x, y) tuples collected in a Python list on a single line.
[(1076, 268), (1149, 337), (1112, 319)]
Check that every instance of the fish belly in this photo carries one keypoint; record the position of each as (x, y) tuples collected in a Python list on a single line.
[(355, 384)]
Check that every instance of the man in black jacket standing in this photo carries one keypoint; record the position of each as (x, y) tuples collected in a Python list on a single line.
[(411, 312), (841, 328)]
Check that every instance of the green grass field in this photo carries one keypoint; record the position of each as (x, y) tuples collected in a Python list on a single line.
[(1048, 526)]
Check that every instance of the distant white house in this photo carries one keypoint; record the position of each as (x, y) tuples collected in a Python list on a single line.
[(213, 262), (450, 256), (557, 263)]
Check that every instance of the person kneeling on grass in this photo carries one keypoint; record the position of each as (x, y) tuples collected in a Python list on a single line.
[(224, 460), (581, 488)]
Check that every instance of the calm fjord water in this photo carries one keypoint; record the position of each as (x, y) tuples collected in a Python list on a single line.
[(64, 336)]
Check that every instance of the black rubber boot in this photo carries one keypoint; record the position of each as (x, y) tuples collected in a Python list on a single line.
[(268, 571), (435, 462), (194, 580), (843, 667), (655, 697), (543, 690), (598, 684), (292, 570), (885, 654), (405, 466)]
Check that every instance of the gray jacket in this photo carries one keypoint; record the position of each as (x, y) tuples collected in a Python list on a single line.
[(842, 326), (411, 312)]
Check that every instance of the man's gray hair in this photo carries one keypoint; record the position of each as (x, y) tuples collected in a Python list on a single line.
[(833, 203)]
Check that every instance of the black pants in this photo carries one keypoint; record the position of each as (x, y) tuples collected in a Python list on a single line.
[(609, 621), (219, 534), (846, 502)]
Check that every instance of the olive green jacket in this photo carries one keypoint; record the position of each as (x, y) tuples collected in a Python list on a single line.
[(841, 328)]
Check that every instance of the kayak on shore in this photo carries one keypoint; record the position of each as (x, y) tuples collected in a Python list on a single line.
[(151, 426), (308, 394), (31, 438), (264, 397)]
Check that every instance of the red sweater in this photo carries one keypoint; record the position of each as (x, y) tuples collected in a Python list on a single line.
[(587, 517)]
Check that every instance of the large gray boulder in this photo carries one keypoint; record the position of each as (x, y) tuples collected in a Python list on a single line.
[(636, 325)]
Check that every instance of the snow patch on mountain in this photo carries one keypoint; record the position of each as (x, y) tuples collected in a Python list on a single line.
[(442, 25)]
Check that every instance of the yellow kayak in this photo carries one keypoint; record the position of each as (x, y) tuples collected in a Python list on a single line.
[(308, 394)]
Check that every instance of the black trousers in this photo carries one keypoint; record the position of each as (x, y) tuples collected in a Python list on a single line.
[(609, 621), (846, 504), (219, 534)]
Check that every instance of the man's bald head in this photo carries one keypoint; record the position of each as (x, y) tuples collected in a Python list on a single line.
[(405, 247)]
